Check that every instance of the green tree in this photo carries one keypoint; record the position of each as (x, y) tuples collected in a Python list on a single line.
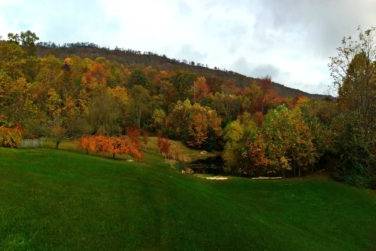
[(289, 143), (13, 60), (183, 83), (354, 73), (140, 105), (244, 151), (103, 114), (16, 100), (27, 40), (137, 77)]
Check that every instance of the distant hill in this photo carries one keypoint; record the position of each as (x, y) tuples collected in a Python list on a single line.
[(137, 58)]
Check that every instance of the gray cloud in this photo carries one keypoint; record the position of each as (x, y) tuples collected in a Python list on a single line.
[(258, 71), (242, 65), (265, 70), (188, 53), (322, 23)]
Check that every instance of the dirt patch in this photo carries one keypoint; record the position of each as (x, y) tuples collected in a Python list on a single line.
[(216, 178), (266, 178)]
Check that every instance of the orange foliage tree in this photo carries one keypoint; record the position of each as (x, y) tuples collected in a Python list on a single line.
[(200, 89), (95, 76), (111, 145)]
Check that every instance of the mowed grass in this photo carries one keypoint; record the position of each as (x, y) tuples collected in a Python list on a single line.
[(60, 200)]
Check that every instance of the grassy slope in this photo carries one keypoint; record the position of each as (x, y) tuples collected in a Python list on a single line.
[(150, 147), (68, 200)]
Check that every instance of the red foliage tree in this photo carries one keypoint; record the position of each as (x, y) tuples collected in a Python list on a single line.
[(164, 145), (134, 134), (270, 98)]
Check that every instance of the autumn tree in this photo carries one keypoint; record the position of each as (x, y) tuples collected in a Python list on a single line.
[(104, 113), (159, 120), (200, 89), (194, 124), (183, 83), (228, 106), (167, 93), (27, 40), (253, 99), (318, 115), (122, 100), (288, 140), (244, 151), (354, 74), (95, 77), (140, 104), (16, 100), (269, 97), (137, 77), (13, 61)]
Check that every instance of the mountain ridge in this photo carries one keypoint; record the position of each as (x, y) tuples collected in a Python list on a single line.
[(162, 62)]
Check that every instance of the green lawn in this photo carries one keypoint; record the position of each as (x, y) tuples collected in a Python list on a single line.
[(59, 200)]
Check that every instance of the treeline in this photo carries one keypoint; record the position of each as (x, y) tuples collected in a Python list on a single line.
[(258, 131)]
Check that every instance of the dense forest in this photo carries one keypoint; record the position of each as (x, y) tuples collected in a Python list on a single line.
[(142, 59), (111, 99)]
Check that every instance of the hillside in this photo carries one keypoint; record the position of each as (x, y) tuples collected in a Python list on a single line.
[(68, 201), (136, 58)]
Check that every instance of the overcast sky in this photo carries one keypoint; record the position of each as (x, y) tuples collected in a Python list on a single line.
[(288, 40)]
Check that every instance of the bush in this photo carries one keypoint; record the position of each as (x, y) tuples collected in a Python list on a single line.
[(10, 137), (164, 146), (111, 145)]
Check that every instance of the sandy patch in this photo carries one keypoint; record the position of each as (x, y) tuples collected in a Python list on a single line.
[(216, 178), (266, 178)]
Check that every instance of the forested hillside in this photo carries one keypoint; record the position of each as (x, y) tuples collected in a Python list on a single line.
[(111, 100), (142, 59)]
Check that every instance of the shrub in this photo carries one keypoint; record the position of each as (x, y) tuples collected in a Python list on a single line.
[(10, 137), (111, 145), (164, 146), (87, 143)]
